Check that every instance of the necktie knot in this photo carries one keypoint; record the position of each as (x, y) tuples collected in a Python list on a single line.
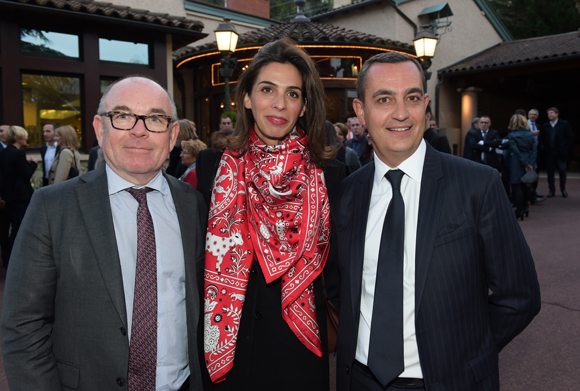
[(395, 177), (140, 194)]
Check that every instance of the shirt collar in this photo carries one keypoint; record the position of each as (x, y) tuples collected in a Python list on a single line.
[(412, 166), (117, 184), (54, 145), (554, 123)]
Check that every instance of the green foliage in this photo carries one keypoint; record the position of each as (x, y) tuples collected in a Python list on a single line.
[(285, 10), (535, 18)]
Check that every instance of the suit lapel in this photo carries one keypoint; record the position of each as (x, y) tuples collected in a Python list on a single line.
[(429, 210), (93, 200), (361, 203)]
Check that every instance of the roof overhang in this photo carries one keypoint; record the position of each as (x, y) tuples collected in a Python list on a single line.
[(180, 36)]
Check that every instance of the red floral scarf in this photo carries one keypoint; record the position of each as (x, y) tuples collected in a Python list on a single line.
[(270, 204)]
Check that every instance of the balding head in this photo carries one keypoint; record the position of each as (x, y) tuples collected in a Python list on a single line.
[(136, 154)]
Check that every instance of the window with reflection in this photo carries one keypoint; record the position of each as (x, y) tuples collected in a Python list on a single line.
[(123, 51), (49, 43), (342, 67), (47, 98)]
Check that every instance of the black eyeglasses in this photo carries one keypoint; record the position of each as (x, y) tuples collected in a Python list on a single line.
[(121, 120)]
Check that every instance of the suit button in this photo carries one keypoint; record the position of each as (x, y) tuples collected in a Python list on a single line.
[(258, 315), (120, 382), (123, 331), (253, 270), (347, 370)]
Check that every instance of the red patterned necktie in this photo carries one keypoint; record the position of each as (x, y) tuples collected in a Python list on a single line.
[(143, 347)]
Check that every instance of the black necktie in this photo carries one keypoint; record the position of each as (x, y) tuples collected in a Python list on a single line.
[(386, 342)]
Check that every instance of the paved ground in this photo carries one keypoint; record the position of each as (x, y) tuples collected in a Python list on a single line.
[(546, 356)]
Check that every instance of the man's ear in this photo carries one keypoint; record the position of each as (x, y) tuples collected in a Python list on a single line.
[(359, 109), (99, 128)]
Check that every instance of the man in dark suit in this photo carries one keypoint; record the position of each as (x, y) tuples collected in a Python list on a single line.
[(467, 151), (484, 142), (3, 128), (453, 277), (557, 139), (436, 140), (49, 150), (359, 139), (101, 292), (4, 220)]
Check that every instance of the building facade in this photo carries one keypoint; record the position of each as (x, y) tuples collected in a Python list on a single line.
[(57, 57)]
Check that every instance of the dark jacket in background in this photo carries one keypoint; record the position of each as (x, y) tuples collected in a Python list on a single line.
[(15, 190), (175, 168), (522, 151), (437, 141), (492, 141), (563, 138)]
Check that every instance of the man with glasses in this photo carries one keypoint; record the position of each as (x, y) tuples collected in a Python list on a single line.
[(101, 292)]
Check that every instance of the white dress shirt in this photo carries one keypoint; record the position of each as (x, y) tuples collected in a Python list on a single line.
[(380, 199), (49, 157), (172, 354), (534, 127)]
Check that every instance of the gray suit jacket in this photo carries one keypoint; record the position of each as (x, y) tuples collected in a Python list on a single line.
[(468, 244), (64, 321)]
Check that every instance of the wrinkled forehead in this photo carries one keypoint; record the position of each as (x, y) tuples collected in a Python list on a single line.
[(139, 96)]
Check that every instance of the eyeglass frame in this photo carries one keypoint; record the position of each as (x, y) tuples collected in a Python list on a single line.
[(137, 118)]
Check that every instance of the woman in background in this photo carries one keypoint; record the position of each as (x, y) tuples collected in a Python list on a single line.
[(335, 135), (68, 155), (187, 131), (522, 159), (208, 160), (15, 174), (189, 151)]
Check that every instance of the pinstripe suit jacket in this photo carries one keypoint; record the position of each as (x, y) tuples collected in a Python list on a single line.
[(475, 284), (64, 320)]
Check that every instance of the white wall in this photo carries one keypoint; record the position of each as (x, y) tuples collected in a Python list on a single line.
[(211, 23), (471, 33), (171, 7)]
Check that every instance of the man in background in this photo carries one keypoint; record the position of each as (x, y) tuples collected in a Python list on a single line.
[(359, 139), (49, 150), (557, 140)]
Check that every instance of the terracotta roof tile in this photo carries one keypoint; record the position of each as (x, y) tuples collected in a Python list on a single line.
[(521, 51), (117, 11), (303, 33)]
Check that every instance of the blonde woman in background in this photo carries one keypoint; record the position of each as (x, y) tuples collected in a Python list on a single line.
[(189, 151), (15, 171), (187, 131), (68, 156)]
